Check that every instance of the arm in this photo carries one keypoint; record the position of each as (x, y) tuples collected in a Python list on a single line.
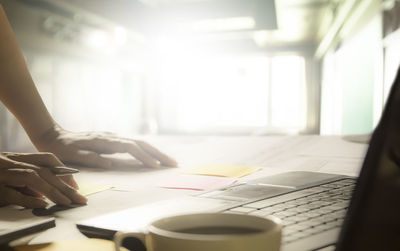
[(19, 94), (25, 179), (17, 90)]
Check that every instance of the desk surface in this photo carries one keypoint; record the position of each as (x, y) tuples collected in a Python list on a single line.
[(137, 185)]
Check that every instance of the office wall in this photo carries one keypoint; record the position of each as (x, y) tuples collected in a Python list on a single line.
[(350, 75), (357, 64)]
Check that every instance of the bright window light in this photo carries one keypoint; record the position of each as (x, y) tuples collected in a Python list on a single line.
[(206, 92), (261, 37), (97, 39), (221, 24), (119, 36), (288, 99)]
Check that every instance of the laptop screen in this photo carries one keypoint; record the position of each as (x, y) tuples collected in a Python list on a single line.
[(373, 219)]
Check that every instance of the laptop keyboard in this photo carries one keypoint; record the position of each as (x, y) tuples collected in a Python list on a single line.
[(305, 212)]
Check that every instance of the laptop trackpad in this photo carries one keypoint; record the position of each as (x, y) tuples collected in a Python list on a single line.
[(246, 192), (296, 179)]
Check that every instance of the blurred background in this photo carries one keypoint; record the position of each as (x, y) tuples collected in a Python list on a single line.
[(207, 67)]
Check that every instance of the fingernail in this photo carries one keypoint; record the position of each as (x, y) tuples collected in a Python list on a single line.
[(173, 162), (75, 186), (80, 199)]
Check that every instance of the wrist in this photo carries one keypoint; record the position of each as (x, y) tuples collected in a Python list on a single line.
[(44, 141)]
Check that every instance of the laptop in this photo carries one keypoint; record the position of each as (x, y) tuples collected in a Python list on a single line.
[(319, 211)]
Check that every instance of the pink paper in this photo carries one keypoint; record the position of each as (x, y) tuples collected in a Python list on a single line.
[(196, 182)]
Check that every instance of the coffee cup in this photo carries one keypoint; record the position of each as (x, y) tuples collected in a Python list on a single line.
[(209, 232)]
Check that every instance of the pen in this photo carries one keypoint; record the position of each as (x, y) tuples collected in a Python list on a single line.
[(62, 170)]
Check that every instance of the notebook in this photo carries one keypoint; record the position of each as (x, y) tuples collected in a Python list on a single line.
[(319, 211)]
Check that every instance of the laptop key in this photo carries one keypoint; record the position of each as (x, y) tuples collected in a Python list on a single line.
[(309, 223), (286, 222), (305, 213), (310, 214), (298, 227), (299, 235), (259, 213), (241, 210)]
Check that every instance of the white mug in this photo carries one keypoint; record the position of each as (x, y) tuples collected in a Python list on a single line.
[(209, 232)]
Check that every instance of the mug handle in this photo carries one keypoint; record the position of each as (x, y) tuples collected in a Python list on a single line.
[(119, 238)]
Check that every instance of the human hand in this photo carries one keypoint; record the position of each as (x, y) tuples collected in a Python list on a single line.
[(26, 180), (86, 148)]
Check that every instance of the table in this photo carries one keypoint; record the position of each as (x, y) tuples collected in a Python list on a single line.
[(138, 185)]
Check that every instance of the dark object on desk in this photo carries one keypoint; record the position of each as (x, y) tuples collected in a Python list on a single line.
[(130, 243), (36, 225), (53, 209), (97, 232), (5, 247)]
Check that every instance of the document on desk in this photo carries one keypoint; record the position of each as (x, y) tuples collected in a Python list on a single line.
[(16, 223), (68, 245), (195, 182), (222, 170), (87, 188), (333, 147)]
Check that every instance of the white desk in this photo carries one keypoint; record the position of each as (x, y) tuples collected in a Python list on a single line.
[(275, 154)]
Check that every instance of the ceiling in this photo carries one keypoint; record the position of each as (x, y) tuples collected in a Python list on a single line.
[(297, 22)]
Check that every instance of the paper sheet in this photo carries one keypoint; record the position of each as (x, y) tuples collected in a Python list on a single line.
[(88, 244), (196, 182), (333, 146), (222, 170), (86, 188)]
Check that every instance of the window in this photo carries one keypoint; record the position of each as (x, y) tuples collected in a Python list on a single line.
[(288, 94), (228, 94)]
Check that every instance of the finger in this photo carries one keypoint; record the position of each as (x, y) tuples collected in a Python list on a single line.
[(108, 134), (124, 162), (69, 179), (28, 191), (39, 159), (123, 146), (65, 189), (89, 158), (107, 145), (31, 179), (10, 196), (141, 155), (163, 158)]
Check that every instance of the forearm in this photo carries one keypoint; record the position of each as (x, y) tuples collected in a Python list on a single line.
[(17, 89)]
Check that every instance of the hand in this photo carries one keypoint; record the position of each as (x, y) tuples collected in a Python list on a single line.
[(86, 148), (26, 180)]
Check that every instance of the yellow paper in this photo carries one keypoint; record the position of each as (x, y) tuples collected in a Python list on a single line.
[(222, 170), (87, 245), (86, 188)]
